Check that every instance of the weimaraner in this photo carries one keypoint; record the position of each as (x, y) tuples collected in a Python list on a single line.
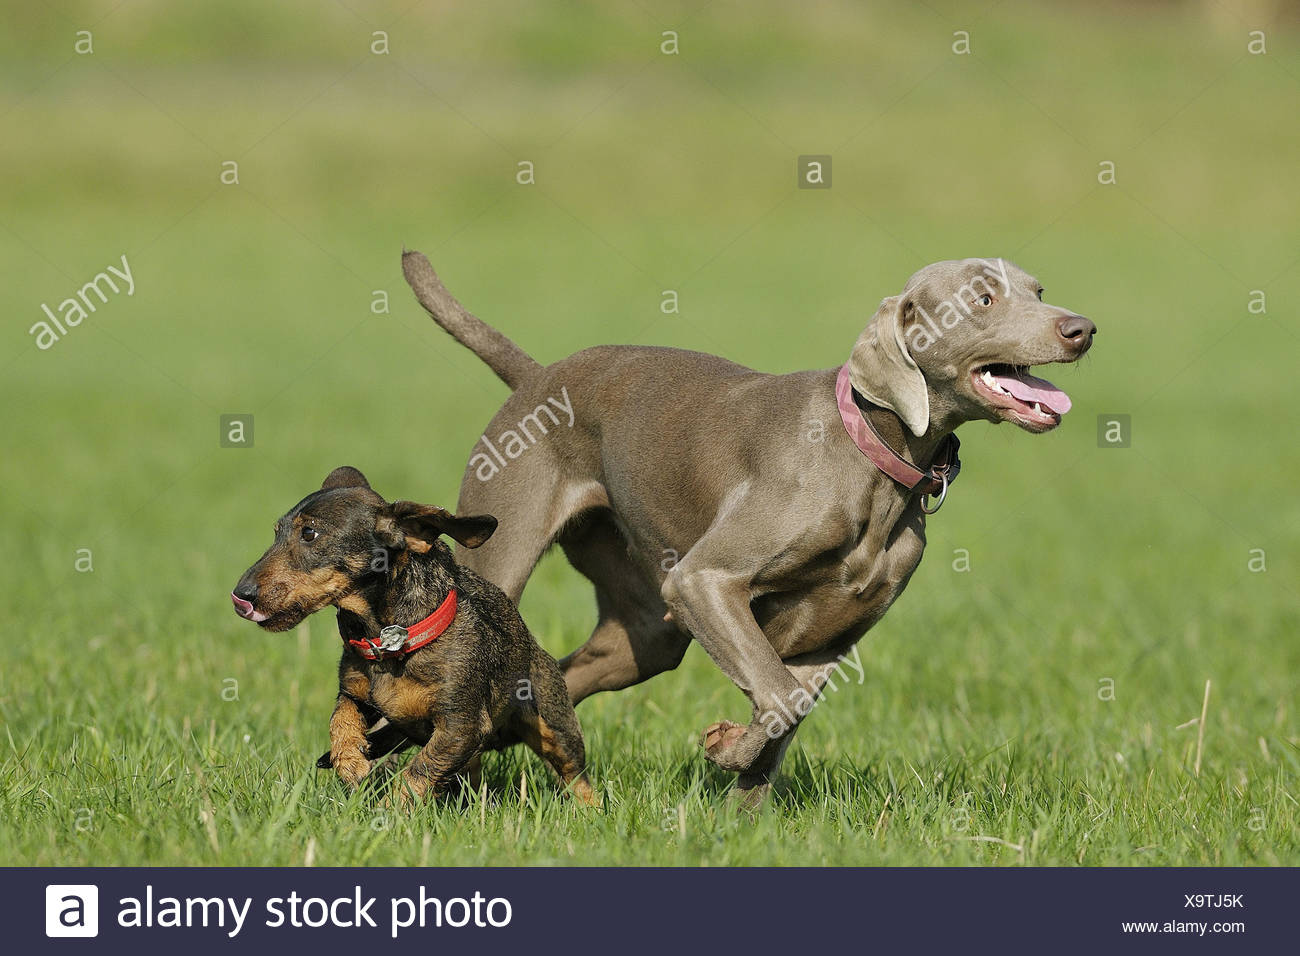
[(773, 518)]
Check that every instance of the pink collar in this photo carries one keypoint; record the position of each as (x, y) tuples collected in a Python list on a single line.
[(869, 442), (394, 641)]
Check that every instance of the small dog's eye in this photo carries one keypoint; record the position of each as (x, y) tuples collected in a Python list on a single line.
[(1040, 295), (986, 300), (309, 534)]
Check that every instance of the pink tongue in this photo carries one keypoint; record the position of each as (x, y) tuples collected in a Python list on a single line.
[(1030, 389)]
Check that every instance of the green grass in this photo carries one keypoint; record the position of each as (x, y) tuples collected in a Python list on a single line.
[(979, 735)]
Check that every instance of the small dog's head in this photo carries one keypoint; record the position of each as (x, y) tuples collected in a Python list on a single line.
[(958, 342), (335, 541)]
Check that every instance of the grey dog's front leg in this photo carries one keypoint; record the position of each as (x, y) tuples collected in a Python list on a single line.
[(714, 606), (753, 786), (812, 671)]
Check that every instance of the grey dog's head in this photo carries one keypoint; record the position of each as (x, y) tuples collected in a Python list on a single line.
[(957, 343)]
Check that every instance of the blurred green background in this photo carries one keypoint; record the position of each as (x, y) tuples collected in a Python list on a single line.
[(980, 735)]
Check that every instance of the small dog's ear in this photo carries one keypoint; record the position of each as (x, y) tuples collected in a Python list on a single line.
[(388, 534), (427, 522), (344, 477), (470, 530)]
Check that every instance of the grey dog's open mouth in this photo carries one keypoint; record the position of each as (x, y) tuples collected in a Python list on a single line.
[(1033, 401)]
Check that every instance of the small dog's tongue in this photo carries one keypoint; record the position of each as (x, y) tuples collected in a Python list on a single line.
[(1030, 389), (246, 610)]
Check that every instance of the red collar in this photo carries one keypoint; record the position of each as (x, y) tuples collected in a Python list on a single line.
[(869, 442), (395, 641)]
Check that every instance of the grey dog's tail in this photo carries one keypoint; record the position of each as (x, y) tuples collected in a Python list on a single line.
[(512, 364)]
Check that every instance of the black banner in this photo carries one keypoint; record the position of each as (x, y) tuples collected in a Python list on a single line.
[(651, 910)]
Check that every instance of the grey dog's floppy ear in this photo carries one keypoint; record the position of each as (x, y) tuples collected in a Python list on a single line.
[(882, 370)]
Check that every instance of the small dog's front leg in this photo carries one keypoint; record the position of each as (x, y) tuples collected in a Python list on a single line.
[(449, 750), (348, 753), (382, 739)]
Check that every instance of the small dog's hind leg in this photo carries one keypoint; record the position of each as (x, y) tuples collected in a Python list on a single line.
[(551, 730)]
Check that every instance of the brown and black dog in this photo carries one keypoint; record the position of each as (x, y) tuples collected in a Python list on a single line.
[(429, 647)]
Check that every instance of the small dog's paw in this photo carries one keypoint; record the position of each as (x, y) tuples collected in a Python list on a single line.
[(405, 793), (718, 739), (582, 790), (350, 766)]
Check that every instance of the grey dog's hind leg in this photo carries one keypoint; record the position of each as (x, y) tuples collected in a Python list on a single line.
[(631, 641)]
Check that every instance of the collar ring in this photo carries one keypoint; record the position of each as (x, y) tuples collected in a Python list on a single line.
[(943, 494)]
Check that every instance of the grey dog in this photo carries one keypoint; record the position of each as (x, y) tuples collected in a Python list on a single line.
[(772, 518)]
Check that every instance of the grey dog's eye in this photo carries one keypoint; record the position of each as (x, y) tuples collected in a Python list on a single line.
[(986, 300), (1040, 295), (309, 534)]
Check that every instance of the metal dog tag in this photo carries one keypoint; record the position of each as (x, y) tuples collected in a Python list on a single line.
[(392, 638)]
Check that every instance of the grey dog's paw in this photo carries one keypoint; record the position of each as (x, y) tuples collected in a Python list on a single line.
[(749, 798), (718, 739)]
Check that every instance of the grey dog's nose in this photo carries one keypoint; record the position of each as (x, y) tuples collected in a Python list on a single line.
[(1076, 331)]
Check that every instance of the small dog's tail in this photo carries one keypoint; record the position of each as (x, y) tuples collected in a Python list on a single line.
[(512, 364)]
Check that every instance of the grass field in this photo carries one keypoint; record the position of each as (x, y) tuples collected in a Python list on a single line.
[(1033, 709)]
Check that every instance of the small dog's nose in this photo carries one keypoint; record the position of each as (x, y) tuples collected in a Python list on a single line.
[(1076, 331), (242, 597)]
